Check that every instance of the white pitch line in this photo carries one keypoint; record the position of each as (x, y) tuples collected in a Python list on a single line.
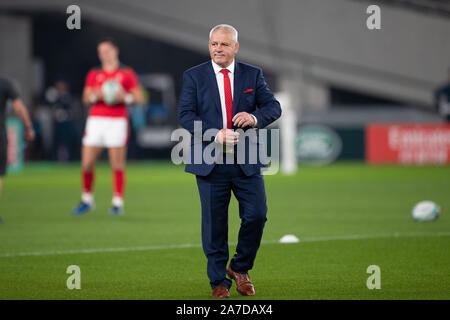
[(77, 251), (376, 236), (182, 246)]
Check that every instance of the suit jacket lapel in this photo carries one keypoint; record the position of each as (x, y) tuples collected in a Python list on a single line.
[(237, 87), (212, 81)]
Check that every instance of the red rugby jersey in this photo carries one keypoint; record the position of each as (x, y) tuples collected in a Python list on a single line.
[(95, 79)]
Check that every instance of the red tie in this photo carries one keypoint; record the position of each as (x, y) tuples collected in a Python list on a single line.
[(228, 96)]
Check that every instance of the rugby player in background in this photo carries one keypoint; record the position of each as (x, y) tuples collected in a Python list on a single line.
[(107, 124), (8, 92)]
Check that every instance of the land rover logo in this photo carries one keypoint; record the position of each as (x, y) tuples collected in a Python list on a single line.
[(317, 145)]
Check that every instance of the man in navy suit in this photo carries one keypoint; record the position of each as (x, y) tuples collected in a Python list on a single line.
[(226, 95)]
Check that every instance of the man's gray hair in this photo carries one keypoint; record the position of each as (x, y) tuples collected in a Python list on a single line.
[(225, 28)]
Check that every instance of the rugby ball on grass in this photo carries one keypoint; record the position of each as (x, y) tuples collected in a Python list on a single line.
[(426, 211)]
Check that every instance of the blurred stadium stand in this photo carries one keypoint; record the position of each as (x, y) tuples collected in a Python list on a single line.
[(439, 7), (337, 71)]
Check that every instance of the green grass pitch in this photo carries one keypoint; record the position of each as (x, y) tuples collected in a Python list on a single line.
[(348, 216)]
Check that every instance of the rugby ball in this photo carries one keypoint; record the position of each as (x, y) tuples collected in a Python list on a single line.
[(426, 211), (110, 89)]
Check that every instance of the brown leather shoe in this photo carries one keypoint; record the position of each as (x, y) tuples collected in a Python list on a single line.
[(243, 284), (220, 292)]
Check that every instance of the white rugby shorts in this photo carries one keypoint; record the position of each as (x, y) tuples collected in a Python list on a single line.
[(106, 132)]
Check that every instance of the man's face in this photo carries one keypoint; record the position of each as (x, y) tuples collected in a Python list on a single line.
[(107, 52), (222, 48)]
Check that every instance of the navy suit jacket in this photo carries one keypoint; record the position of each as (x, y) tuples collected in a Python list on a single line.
[(200, 101)]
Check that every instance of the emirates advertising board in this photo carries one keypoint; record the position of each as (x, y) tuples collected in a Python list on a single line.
[(403, 143)]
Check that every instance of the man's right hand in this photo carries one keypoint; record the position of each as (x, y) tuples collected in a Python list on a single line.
[(99, 93), (92, 95), (228, 137)]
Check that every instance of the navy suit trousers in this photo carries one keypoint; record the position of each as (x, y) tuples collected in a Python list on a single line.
[(215, 193)]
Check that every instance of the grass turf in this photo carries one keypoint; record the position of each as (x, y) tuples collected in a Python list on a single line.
[(163, 209)]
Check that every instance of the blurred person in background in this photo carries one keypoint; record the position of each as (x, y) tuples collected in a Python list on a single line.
[(9, 92), (65, 133), (442, 99), (107, 123)]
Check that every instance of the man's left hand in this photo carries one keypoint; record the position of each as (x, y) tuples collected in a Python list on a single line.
[(29, 133), (243, 119)]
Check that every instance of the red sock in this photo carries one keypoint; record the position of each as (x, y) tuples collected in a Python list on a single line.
[(119, 183), (88, 180)]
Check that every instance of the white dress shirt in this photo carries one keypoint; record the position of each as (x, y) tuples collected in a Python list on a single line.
[(220, 85)]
